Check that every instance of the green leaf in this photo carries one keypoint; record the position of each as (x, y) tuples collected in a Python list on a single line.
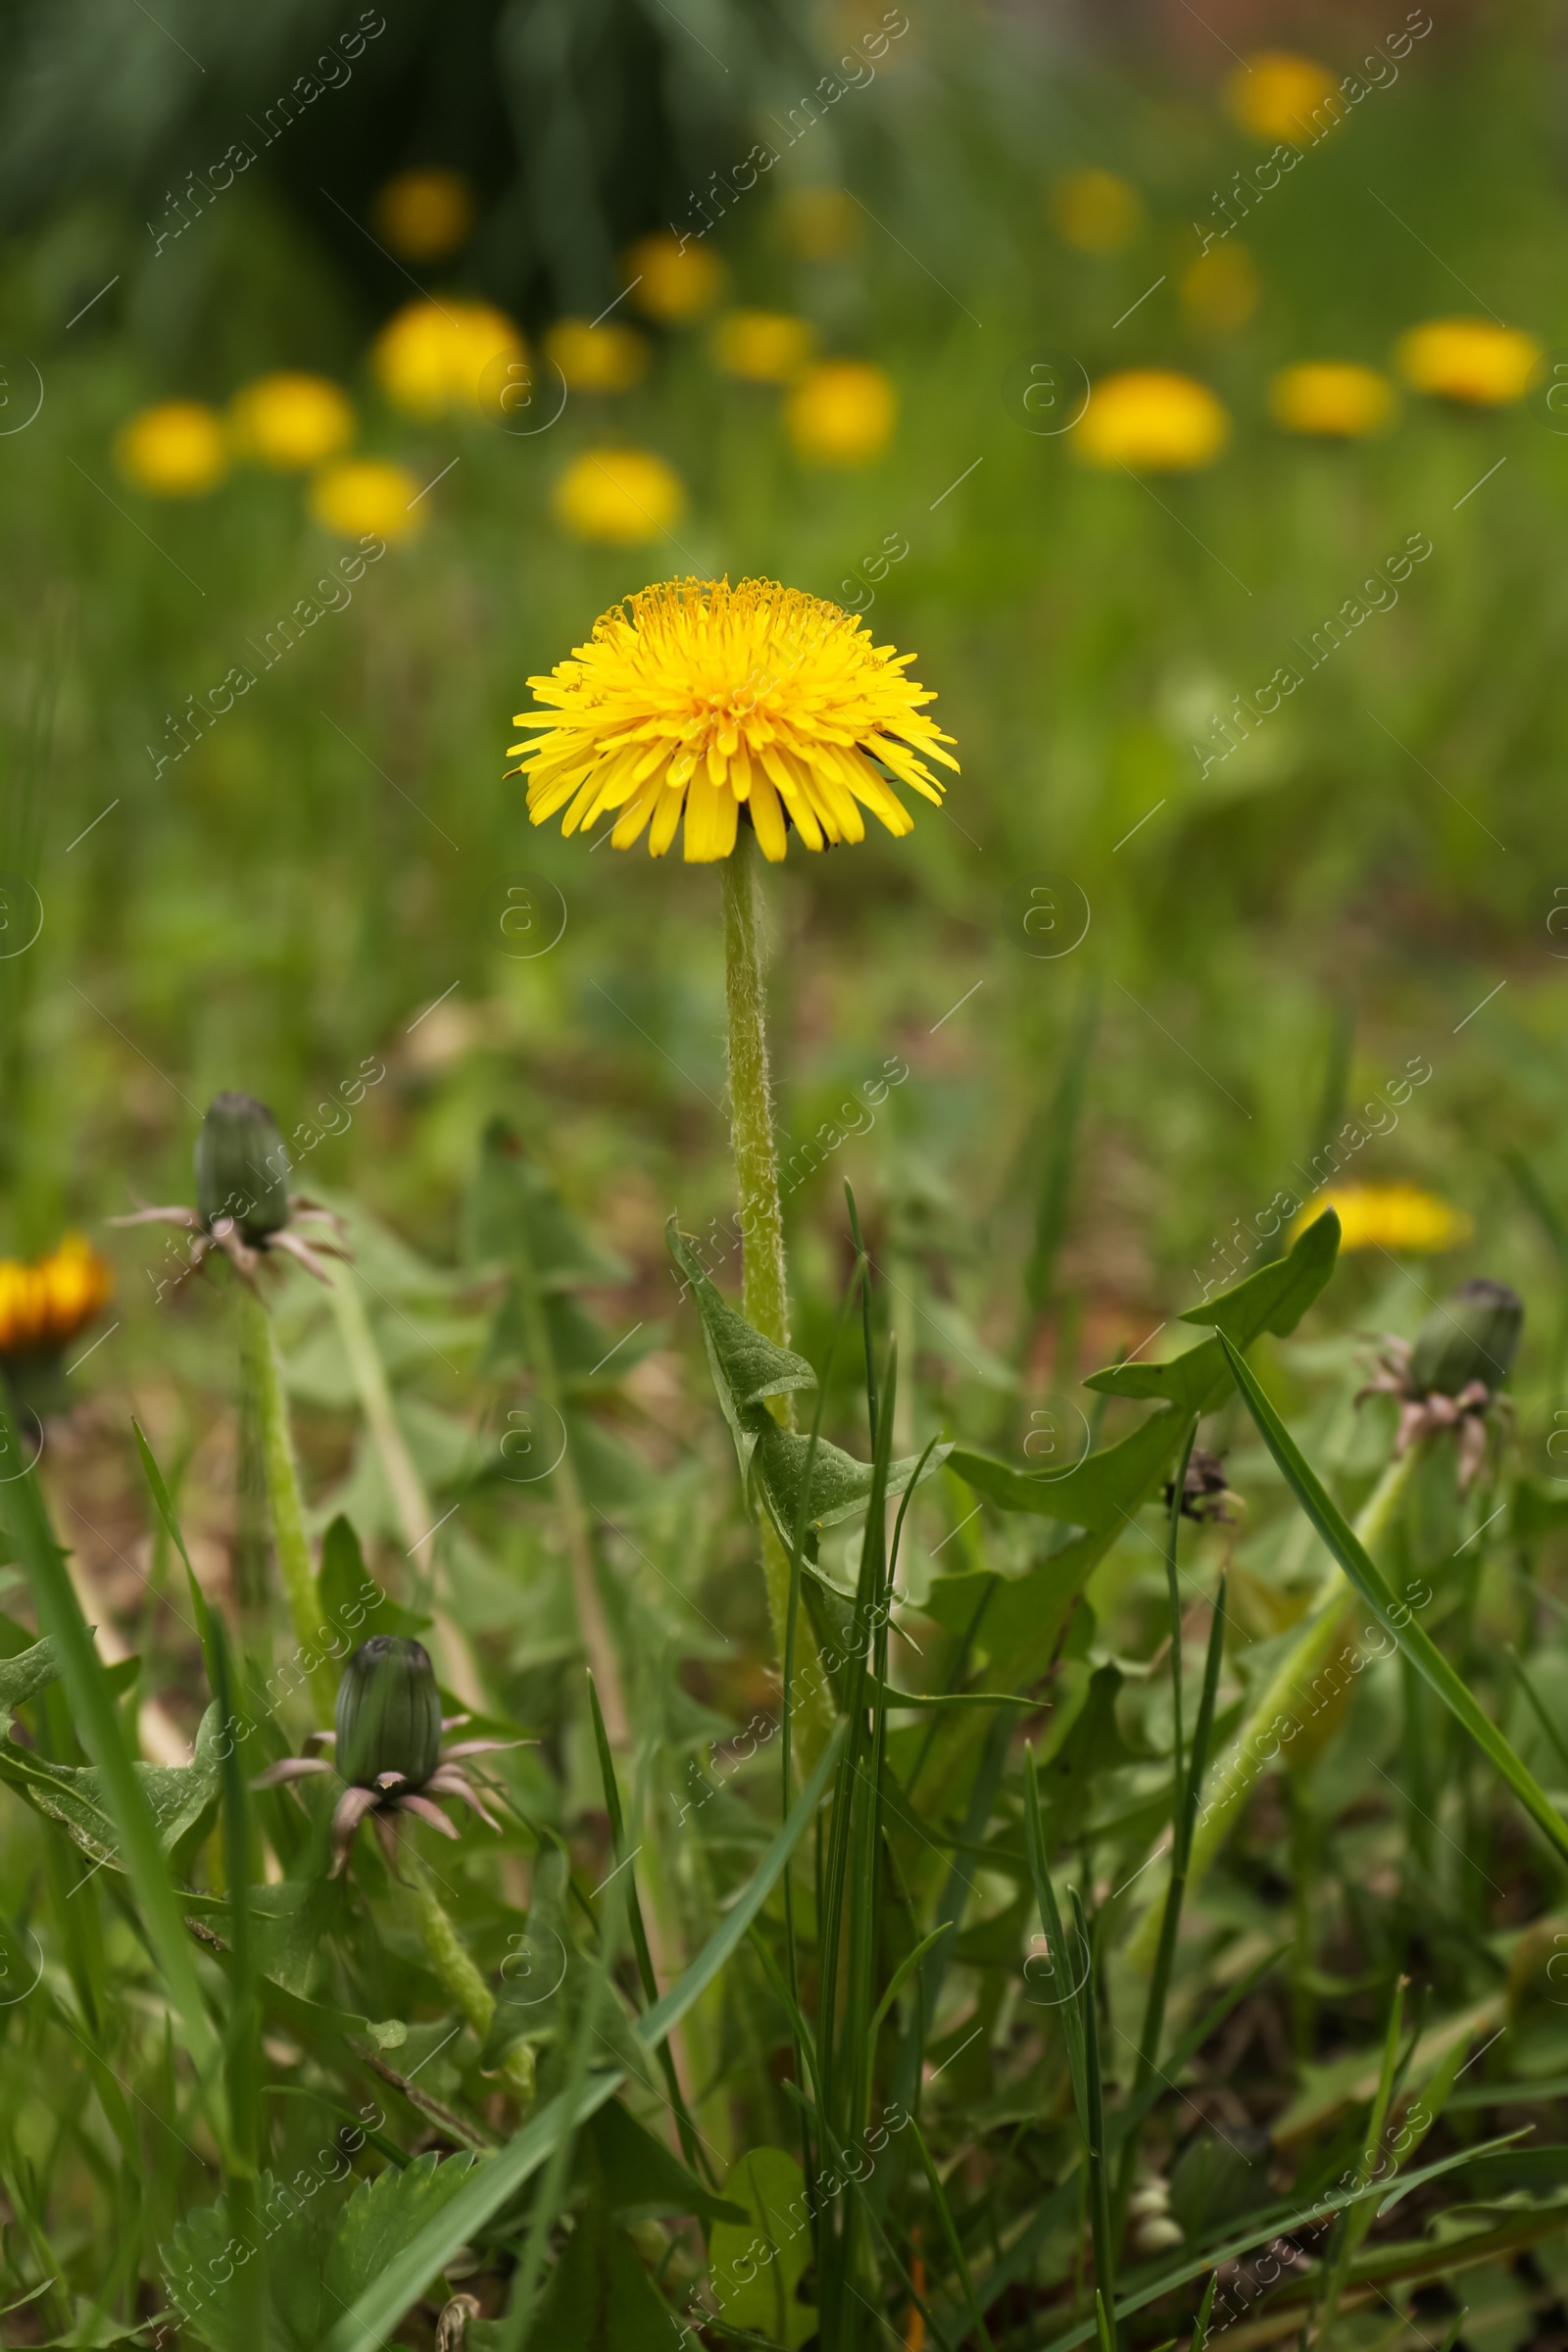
[(1277, 1295), (381, 2217), (599, 2297), (747, 1368), (757, 2264), (352, 1600), (180, 1797), (1395, 1618), (497, 2179), (22, 1678), (642, 2178), (208, 2268), (514, 1212)]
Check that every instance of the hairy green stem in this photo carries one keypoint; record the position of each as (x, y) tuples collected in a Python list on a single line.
[(1281, 1703), (448, 1959), (765, 1287), (263, 1371)]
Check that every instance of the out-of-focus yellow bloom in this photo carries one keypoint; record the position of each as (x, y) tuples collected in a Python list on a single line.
[(1222, 288), (698, 700), (763, 347), (672, 279), (1153, 419), (1472, 359), (291, 422), (622, 495), (1095, 210), (177, 450), (842, 412), (610, 358), (1274, 94), (44, 1304), (366, 497), (1391, 1216), (818, 223), (431, 357), (427, 214), (1331, 397)]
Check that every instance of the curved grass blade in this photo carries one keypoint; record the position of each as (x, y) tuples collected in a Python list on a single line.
[(1417, 1644)]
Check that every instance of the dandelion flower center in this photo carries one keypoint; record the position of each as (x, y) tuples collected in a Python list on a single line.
[(698, 699)]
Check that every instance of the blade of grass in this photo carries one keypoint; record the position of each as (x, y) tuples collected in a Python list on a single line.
[(1340, 1539), (97, 1721), (939, 2199)]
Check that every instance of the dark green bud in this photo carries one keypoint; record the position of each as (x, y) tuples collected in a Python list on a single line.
[(1474, 1335), (241, 1167), (388, 1713)]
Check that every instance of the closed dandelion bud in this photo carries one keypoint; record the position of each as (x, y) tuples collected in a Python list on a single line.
[(388, 1713), (242, 1167), (1473, 1336)]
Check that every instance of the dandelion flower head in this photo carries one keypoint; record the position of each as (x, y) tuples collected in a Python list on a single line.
[(694, 699)]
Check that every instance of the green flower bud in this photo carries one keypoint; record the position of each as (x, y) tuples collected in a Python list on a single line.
[(1474, 1335), (388, 1713), (241, 1167)]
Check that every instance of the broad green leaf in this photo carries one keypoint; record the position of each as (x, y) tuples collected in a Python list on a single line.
[(497, 2179), (641, 2177), (1277, 1295), (180, 1797), (354, 1603), (382, 2216), (516, 1213), (747, 1370), (1396, 1619), (756, 2266), (22, 1677), (599, 2297), (207, 2264)]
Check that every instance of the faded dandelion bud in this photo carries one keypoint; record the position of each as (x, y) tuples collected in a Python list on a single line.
[(1472, 1336), (242, 1167), (388, 1713)]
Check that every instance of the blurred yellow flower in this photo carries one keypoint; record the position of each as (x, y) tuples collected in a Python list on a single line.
[(426, 215), (177, 450), (818, 223), (366, 497), (671, 277), (1095, 210), (1391, 1216), (1331, 397), (610, 358), (431, 357), (698, 700), (1222, 288), (290, 421), (1151, 417), (47, 1303), (1274, 94), (842, 412), (622, 495), (763, 347), (1472, 359)]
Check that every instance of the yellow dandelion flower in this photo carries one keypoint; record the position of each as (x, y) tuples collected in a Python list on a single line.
[(819, 224), (619, 496), (1153, 420), (1095, 210), (426, 215), (44, 1304), (432, 358), (1335, 398), (290, 421), (842, 412), (672, 278), (1275, 94), (610, 358), (763, 347), (1222, 289), (1391, 1216), (1470, 360), (367, 498), (177, 450), (698, 699)]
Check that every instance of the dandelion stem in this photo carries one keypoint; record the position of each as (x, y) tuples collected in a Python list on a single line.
[(448, 1959), (765, 1286), (263, 1371)]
